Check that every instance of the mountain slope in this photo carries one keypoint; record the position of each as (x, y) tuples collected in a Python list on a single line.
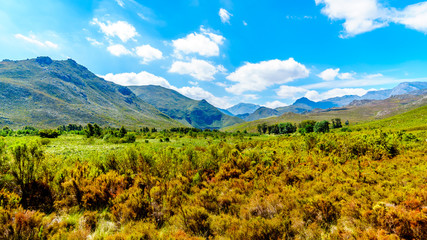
[(359, 111), (46, 93), (243, 108), (199, 114)]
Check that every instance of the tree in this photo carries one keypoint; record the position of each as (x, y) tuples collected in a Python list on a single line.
[(264, 128), (122, 132), (336, 123), (97, 130), (287, 128), (321, 127), (306, 126), (90, 131)]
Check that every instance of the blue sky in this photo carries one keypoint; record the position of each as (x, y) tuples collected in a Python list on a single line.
[(228, 51)]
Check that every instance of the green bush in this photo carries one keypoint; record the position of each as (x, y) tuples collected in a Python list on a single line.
[(321, 127)]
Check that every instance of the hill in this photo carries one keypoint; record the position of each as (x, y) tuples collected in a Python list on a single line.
[(358, 111), (412, 120), (42, 92), (199, 114)]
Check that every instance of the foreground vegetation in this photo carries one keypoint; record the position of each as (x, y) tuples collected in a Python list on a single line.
[(189, 184)]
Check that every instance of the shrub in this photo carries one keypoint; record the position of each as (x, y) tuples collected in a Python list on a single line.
[(49, 133)]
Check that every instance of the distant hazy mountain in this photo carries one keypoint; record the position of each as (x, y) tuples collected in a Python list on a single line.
[(408, 87), (357, 112), (402, 88), (199, 114), (301, 105), (45, 93), (243, 108), (304, 105)]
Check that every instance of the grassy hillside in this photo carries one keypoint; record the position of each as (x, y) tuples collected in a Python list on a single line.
[(199, 114), (360, 112), (412, 120), (45, 93)]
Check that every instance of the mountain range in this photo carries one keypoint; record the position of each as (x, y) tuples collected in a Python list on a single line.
[(199, 114), (304, 105), (42, 92), (358, 111)]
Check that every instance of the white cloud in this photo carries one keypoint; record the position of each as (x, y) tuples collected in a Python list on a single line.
[(336, 92), (359, 16), (94, 42), (414, 17), (366, 80), (137, 79), (224, 15), (375, 75), (259, 76), (33, 40), (275, 104), (199, 94), (330, 74), (148, 53), (120, 3), (293, 93), (118, 50), (120, 29), (289, 92), (366, 15), (204, 43), (245, 23), (346, 76), (199, 69)]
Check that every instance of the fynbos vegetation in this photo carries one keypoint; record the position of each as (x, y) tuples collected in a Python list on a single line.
[(311, 182)]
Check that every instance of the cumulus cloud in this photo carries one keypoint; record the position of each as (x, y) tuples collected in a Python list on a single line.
[(137, 79), (359, 16), (259, 76), (204, 43), (330, 74), (224, 15), (414, 17), (366, 15), (199, 69), (120, 29), (33, 40), (118, 50), (275, 104), (148, 53)]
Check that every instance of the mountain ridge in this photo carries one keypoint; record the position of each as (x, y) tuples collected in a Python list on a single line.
[(198, 114), (47, 93)]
